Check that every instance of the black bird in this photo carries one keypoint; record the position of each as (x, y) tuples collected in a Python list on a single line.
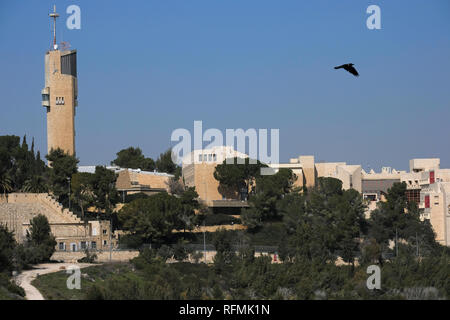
[(349, 67)]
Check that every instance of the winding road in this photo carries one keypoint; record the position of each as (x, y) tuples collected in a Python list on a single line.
[(25, 278)]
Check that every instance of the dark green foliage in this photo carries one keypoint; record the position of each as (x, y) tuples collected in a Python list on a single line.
[(165, 164), (63, 167), (131, 197), (20, 168), (238, 175), (40, 240), (104, 189), (225, 254), (181, 251), (134, 159), (397, 216), (7, 247), (152, 219), (264, 204), (10, 289)]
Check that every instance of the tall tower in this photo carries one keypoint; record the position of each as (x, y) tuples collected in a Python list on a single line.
[(59, 95)]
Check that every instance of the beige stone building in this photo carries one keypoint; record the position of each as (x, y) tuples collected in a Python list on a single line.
[(198, 171), (71, 233), (435, 206), (130, 181)]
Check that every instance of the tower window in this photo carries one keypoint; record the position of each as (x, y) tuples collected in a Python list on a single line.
[(59, 100)]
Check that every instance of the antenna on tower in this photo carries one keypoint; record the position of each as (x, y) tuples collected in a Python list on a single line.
[(54, 15)]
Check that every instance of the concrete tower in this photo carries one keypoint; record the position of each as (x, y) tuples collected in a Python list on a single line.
[(59, 95)]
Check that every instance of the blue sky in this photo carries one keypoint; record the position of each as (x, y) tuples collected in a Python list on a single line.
[(146, 68)]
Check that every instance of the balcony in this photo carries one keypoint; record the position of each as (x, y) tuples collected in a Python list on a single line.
[(45, 97)]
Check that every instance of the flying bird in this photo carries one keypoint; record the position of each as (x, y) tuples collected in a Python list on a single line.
[(349, 67)]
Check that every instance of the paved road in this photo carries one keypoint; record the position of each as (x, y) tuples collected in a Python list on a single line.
[(26, 277)]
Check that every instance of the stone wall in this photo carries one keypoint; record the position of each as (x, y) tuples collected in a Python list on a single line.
[(102, 256)]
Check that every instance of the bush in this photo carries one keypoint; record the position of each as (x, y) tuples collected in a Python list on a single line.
[(89, 258), (10, 286)]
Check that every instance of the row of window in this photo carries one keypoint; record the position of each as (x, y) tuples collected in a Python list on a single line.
[(59, 100), (83, 245), (207, 157)]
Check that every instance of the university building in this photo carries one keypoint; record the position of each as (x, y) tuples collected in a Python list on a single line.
[(427, 184)]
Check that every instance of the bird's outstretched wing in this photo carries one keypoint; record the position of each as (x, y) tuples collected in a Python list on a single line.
[(352, 70), (339, 67)]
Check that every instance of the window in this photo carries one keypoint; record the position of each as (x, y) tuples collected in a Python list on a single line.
[(94, 232), (59, 100), (210, 157), (45, 97), (105, 231), (94, 245), (61, 246), (200, 158), (105, 242), (214, 157), (204, 157), (83, 245)]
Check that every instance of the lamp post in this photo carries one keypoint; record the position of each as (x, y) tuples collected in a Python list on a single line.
[(204, 241), (68, 180)]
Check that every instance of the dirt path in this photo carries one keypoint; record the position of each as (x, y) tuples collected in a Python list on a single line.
[(26, 277)]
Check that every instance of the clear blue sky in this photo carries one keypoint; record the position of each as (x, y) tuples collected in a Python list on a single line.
[(146, 68)]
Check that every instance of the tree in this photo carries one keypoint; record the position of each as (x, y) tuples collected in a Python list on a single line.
[(82, 190), (17, 163), (151, 219), (40, 239), (7, 247), (398, 217), (270, 189), (189, 204), (181, 251), (63, 166), (36, 184), (165, 164), (236, 177), (104, 189), (225, 254), (5, 184), (134, 159)]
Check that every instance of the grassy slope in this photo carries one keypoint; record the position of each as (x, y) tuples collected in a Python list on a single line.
[(53, 286)]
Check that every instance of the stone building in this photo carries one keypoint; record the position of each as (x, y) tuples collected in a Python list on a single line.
[(130, 181), (71, 233), (198, 171)]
